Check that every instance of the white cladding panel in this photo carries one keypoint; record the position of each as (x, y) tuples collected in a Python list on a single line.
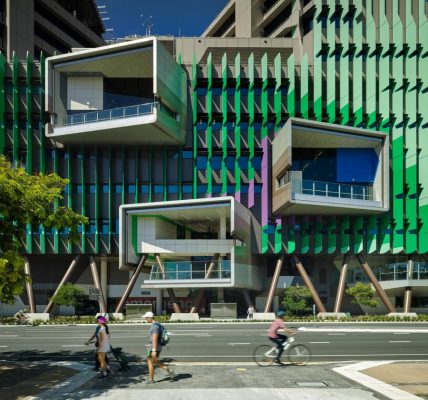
[(85, 93)]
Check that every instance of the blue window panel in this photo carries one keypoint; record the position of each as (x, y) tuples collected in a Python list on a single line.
[(270, 229), (118, 188), (188, 189), (217, 125), (66, 189), (256, 162), (105, 188), (216, 91), (104, 226), (131, 188), (187, 154), (243, 162), (201, 91), (172, 189), (80, 229), (257, 188), (144, 189), (202, 189), (92, 189), (231, 189), (201, 162), (356, 165), (230, 162), (244, 188), (91, 228), (79, 189), (116, 226), (201, 126), (158, 189), (216, 162), (216, 189)]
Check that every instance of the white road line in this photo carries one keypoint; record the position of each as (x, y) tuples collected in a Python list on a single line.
[(73, 345), (3, 346), (319, 342), (8, 336), (401, 333), (362, 330), (399, 341), (237, 344), (336, 334)]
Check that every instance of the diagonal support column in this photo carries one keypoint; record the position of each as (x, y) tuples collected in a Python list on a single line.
[(64, 279), (407, 299), (309, 284), (379, 290), (273, 284), (29, 286), (131, 284), (212, 265), (97, 284), (171, 294), (342, 282)]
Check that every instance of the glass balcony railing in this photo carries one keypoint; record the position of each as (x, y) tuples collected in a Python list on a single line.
[(401, 271), (191, 270), (114, 113), (331, 189)]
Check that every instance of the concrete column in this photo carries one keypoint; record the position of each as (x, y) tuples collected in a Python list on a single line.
[(159, 299), (104, 276), (309, 284), (247, 298), (380, 292), (175, 305), (220, 295), (407, 299), (273, 284), (223, 228), (131, 284), (342, 283), (212, 265), (29, 286), (97, 284), (410, 265), (64, 279), (197, 301), (160, 264)]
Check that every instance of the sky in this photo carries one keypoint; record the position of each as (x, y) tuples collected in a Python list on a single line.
[(167, 17)]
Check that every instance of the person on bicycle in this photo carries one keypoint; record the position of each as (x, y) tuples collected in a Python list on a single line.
[(278, 338)]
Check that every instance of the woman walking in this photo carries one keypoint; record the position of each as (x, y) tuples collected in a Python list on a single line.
[(103, 345)]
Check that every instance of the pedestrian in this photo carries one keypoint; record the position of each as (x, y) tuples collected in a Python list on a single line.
[(275, 336), (103, 345), (154, 348), (94, 339), (250, 312)]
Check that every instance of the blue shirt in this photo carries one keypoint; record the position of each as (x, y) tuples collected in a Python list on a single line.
[(155, 329)]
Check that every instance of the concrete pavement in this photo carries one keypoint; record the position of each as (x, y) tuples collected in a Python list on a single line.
[(229, 381)]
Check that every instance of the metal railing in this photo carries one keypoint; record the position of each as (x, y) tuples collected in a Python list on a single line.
[(331, 189), (401, 271), (114, 113), (191, 270)]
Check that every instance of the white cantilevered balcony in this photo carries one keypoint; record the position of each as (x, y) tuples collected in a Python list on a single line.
[(320, 168), (131, 93)]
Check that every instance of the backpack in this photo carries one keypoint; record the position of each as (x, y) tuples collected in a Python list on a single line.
[(163, 336)]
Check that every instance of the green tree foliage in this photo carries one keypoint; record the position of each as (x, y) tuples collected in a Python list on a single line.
[(296, 300), (363, 294), (27, 199), (69, 295)]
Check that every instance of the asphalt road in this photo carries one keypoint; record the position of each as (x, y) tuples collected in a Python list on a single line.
[(233, 342)]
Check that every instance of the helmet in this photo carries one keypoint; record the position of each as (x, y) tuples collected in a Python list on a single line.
[(102, 319), (148, 314), (280, 313)]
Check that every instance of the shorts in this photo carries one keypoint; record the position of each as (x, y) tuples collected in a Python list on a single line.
[(149, 353)]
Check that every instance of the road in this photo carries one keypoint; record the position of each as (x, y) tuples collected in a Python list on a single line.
[(221, 342)]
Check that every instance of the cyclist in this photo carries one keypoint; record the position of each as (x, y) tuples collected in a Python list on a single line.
[(278, 338)]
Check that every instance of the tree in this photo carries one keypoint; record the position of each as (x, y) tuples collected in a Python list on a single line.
[(69, 295), (27, 200), (363, 294), (296, 300)]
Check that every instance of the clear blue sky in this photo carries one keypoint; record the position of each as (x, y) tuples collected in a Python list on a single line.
[(169, 17)]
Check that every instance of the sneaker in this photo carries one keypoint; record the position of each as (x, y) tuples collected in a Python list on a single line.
[(276, 361), (171, 373), (102, 376), (149, 382)]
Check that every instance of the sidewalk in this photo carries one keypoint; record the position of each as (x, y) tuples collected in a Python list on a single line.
[(210, 381)]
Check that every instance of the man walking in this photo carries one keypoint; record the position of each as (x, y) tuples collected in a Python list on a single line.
[(154, 348)]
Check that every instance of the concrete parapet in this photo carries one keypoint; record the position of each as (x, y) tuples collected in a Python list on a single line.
[(264, 316), (37, 316), (403, 315), (184, 317)]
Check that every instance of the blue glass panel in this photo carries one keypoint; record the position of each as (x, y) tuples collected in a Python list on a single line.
[(356, 165)]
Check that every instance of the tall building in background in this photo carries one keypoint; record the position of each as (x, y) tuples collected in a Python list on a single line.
[(285, 145), (48, 26)]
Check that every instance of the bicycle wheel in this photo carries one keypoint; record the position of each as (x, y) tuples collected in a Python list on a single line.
[(299, 354), (263, 355)]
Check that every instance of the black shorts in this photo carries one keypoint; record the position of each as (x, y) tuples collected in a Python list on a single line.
[(150, 355)]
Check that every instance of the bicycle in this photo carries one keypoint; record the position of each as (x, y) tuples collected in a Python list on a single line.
[(297, 353)]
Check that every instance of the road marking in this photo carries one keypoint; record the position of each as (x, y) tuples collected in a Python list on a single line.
[(401, 333), (3, 346), (73, 345), (399, 341), (336, 334), (362, 330), (8, 336), (319, 342), (190, 334), (237, 344)]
